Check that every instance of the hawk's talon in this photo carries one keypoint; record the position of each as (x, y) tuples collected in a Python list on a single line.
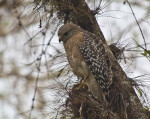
[(82, 84)]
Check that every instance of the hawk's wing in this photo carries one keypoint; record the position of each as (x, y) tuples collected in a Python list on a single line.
[(96, 57)]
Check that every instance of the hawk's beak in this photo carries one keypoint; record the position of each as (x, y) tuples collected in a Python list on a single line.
[(59, 38)]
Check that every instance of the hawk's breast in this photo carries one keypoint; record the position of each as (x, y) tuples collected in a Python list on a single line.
[(74, 56)]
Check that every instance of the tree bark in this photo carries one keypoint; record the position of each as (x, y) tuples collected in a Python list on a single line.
[(123, 101)]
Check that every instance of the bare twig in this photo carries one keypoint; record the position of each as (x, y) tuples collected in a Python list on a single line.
[(137, 23)]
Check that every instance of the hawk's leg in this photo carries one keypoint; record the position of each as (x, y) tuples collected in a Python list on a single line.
[(82, 83)]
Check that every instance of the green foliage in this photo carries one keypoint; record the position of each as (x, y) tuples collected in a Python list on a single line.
[(139, 91), (146, 53)]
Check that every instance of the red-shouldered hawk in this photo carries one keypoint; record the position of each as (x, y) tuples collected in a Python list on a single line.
[(88, 58)]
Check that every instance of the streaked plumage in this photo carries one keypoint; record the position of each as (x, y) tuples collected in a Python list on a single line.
[(88, 58)]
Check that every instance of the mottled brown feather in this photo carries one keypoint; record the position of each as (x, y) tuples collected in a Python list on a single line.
[(88, 58), (74, 56)]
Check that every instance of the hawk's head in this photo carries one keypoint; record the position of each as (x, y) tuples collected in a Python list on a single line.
[(66, 31)]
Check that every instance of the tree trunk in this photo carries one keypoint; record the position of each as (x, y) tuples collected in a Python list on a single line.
[(123, 101)]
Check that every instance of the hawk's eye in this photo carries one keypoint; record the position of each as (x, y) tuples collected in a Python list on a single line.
[(66, 33)]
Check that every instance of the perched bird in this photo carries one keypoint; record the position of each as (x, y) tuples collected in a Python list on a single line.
[(88, 58)]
